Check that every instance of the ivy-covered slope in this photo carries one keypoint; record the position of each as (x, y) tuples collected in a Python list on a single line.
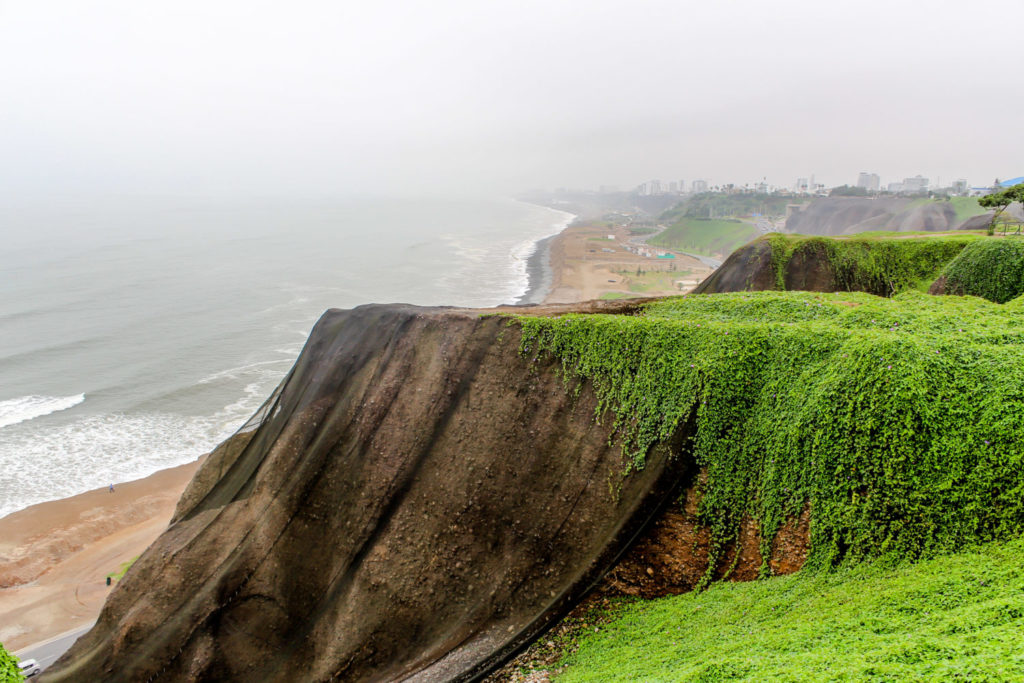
[(881, 264), (9, 672), (992, 268), (899, 422)]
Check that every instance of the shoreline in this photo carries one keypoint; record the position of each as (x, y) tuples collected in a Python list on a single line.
[(538, 272), (55, 555)]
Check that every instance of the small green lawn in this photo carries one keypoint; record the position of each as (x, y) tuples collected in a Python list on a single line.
[(954, 618), (654, 280), (705, 236)]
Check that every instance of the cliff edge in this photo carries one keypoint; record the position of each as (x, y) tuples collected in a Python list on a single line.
[(417, 501)]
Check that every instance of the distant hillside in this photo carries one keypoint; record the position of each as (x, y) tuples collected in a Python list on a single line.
[(847, 215), (718, 236), (721, 204)]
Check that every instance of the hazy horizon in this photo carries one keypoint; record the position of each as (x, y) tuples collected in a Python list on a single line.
[(320, 99)]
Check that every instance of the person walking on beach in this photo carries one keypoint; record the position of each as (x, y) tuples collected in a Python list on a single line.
[(111, 488)]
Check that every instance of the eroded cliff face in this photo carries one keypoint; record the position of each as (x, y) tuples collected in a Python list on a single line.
[(751, 268), (850, 215), (416, 502)]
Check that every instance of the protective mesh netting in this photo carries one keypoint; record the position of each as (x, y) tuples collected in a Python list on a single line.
[(416, 501)]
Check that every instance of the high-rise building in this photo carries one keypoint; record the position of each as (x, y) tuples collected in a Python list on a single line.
[(655, 186), (869, 181), (915, 185), (802, 185), (682, 186), (673, 187), (699, 186), (960, 187)]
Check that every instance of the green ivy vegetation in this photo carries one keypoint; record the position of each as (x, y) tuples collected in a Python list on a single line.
[(9, 671), (125, 566), (881, 264), (956, 618), (900, 421), (991, 268)]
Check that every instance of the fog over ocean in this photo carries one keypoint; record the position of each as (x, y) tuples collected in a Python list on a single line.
[(137, 335)]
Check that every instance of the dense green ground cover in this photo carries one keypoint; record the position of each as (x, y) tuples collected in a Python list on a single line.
[(705, 236), (9, 672), (955, 618), (900, 422), (881, 263), (991, 268)]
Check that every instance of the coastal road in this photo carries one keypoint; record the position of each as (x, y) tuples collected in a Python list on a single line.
[(708, 261), (47, 652)]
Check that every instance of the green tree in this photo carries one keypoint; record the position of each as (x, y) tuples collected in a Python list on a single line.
[(9, 671), (1000, 200)]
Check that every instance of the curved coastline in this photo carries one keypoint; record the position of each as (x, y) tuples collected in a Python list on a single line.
[(539, 272)]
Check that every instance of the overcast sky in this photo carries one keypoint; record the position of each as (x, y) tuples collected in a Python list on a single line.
[(303, 97)]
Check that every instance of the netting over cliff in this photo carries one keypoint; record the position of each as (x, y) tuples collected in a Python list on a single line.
[(415, 502)]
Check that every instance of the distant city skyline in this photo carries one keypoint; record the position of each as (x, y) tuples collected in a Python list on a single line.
[(868, 181), (326, 99)]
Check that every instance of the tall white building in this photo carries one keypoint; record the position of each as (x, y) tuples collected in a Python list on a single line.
[(915, 185), (869, 181), (699, 186)]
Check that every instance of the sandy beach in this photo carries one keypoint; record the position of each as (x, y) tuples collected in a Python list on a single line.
[(591, 260), (55, 556)]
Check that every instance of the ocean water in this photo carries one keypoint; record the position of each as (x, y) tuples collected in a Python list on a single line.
[(137, 335)]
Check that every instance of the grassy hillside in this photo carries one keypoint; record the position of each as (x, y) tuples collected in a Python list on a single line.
[(991, 268), (958, 618), (706, 236), (899, 422), (880, 262), (711, 204), (966, 207)]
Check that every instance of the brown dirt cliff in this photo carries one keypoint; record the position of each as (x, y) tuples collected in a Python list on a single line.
[(417, 501)]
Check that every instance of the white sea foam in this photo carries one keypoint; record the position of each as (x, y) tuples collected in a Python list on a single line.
[(234, 373), (27, 408), (496, 266), (522, 252), (44, 464)]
